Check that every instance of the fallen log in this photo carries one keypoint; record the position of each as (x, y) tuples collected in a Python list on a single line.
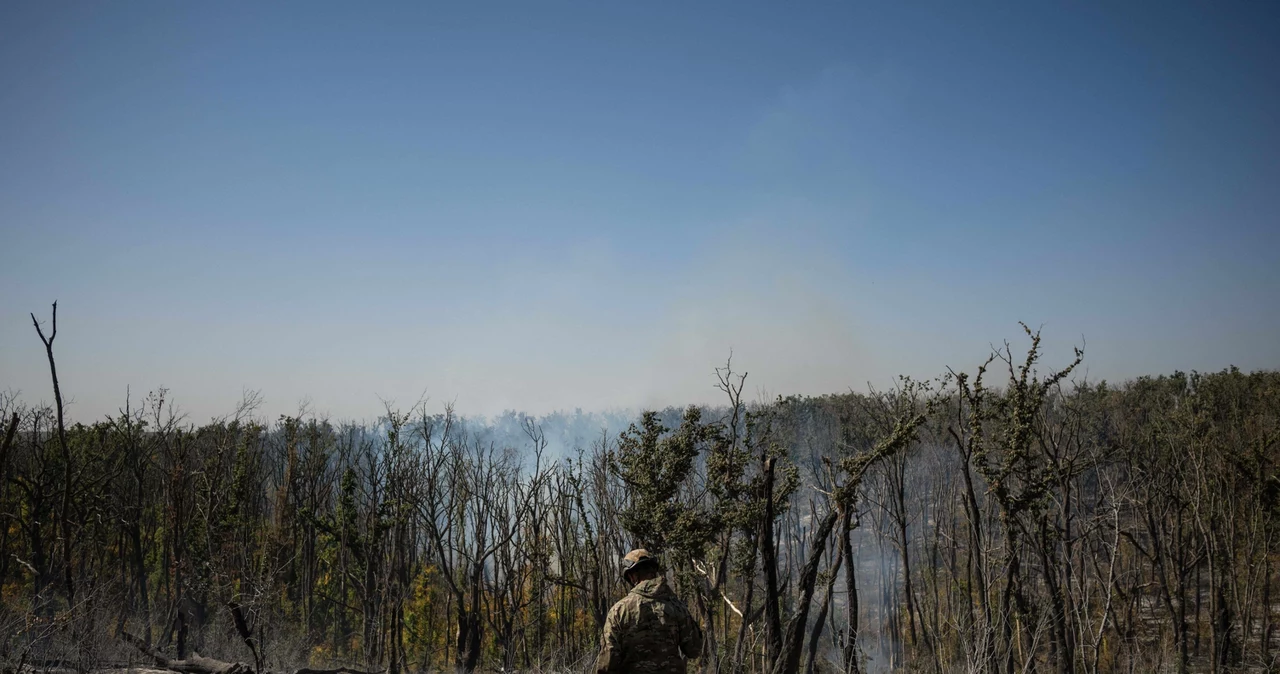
[(33, 669), (111, 669), (196, 664)]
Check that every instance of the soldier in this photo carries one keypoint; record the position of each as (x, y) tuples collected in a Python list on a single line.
[(649, 630)]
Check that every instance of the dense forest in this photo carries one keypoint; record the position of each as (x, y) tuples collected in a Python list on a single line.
[(1014, 518)]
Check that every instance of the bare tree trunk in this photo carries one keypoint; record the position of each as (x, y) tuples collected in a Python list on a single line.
[(10, 431), (1061, 649), (820, 620), (65, 518), (907, 589), (741, 646), (769, 559), (140, 575), (1220, 614)]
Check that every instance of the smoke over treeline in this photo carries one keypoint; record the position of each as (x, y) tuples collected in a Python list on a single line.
[(1006, 519)]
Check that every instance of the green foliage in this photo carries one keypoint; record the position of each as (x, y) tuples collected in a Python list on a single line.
[(1003, 427), (664, 514)]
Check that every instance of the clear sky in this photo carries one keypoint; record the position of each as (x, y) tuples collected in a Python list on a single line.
[(545, 205)]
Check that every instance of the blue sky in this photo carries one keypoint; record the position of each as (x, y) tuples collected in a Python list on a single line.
[(546, 205)]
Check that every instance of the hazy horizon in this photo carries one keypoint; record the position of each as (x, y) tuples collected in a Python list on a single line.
[(553, 206)]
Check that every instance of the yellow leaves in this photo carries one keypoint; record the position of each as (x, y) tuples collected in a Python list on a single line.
[(320, 655), (12, 589)]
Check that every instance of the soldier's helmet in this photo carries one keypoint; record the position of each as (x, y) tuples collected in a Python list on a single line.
[(637, 559)]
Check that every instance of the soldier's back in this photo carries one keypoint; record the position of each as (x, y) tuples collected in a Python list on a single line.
[(648, 630)]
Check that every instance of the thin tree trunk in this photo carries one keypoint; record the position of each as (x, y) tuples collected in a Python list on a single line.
[(850, 651), (820, 620), (65, 518), (769, 559), (789, 661)]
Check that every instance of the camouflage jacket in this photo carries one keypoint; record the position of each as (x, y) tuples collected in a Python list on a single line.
[(648, 631)]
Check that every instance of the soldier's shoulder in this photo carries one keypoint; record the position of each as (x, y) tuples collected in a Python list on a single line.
[(629, 603), (676, 602)]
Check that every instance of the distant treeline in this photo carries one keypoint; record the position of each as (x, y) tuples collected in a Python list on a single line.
[(1003, 520)]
